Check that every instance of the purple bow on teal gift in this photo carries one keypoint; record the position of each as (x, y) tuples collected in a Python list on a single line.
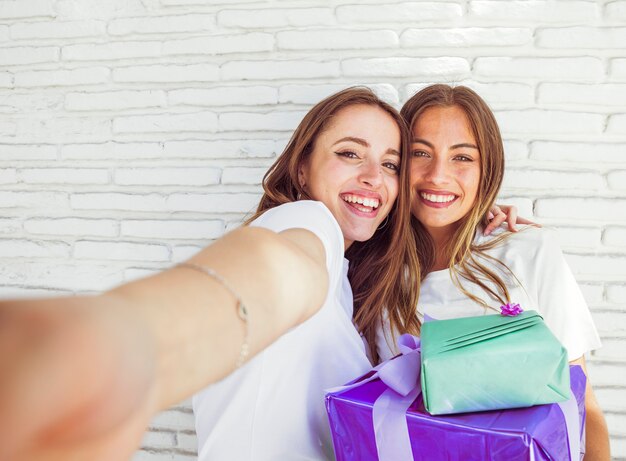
[(511, 309)]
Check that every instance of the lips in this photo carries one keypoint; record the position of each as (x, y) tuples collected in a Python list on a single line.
[(361, 204), (437, 199)]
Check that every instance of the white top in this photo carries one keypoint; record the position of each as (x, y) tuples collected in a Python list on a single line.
[(548, 286), (273, 407)]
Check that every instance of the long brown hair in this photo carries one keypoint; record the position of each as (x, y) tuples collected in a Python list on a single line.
[(384, 271), (466, 259)]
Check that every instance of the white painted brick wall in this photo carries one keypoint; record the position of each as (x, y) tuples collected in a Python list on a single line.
[(276, 17), (167, 176), (196, 121), (162, 25), (529, 11), (70, 29), (580, 68), (398, 13), (133, 133), (465, 37), (114, 100), (169, 73), (276, 70), (224, 96), (62, 77)]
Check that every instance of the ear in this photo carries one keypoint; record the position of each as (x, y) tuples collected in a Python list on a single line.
[(303, 172)]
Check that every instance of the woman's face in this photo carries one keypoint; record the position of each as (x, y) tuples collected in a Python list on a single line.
[(354, 169), (445, 169)]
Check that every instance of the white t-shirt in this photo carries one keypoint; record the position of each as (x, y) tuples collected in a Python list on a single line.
[(272, 408), (547, 286)]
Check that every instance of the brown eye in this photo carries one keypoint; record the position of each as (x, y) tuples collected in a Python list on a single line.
[(392, 166), (347, 153)]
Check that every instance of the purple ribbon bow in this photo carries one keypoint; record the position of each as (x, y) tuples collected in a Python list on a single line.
[(402, 377), (511, 309)]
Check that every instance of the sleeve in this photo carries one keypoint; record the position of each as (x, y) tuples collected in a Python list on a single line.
[(314, 217), (560, 301)]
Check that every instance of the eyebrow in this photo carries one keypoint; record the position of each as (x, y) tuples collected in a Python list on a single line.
[(364, 143), (360, 141), (455, 146)]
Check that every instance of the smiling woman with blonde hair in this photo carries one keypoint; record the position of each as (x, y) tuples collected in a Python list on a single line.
[(457, 166)]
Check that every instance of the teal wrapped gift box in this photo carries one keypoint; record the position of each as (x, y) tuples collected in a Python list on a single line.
[(491, 362)]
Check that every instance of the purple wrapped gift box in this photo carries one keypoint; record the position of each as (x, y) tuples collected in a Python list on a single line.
[(529, 434)]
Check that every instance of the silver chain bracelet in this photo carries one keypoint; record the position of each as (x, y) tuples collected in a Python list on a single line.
[(242, 311)]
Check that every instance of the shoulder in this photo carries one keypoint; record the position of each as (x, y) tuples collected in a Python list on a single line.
[(309, 215), (528, 239), (303, 214)]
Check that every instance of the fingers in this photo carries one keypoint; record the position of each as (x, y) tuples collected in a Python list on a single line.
[(521, 220), (121, 442), (38, 381), (498, 217), (505, 213), (60, 382), (512, 219)]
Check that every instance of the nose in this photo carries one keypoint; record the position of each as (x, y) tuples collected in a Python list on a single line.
[(371, 174), (437, 172)]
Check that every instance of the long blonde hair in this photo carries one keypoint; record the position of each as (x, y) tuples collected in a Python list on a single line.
[(466, 259), (384, 270)]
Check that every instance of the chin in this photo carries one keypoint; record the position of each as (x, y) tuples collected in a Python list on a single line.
[(356, 236), (364, 237)]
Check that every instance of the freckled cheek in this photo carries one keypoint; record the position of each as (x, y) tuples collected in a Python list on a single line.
[(469, 180)]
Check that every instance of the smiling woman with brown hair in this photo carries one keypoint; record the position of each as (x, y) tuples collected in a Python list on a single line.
[(102, 366), (349, 154)]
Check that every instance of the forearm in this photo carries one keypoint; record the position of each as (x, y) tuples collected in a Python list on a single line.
[(192, 320), (597, 433)]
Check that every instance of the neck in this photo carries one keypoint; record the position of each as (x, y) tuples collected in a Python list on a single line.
[(346, 244), (441, 236)]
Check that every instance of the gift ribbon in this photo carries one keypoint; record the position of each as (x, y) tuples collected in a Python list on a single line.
[(402, 377), (572, 424)]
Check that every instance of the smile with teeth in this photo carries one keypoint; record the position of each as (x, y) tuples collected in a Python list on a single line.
[(436, 198), (363, 204)]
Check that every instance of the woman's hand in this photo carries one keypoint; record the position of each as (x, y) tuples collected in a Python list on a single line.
[(75, 381), (504, 213)]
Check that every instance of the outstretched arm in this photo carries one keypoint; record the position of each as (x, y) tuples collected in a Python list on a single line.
[(80, 378)]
